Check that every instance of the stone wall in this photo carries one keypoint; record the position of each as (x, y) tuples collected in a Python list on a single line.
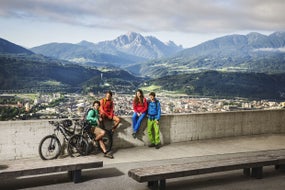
[(20, 139)]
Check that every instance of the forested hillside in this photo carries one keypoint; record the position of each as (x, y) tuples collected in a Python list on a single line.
[(226, 84)]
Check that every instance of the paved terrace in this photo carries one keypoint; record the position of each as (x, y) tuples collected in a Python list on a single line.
[(185, 135), (113, 176)]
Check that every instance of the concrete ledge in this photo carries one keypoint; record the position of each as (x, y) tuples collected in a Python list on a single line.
[(20, 139)]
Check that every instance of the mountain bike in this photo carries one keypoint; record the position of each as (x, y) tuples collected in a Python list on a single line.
[(75, 142), (50, 146)]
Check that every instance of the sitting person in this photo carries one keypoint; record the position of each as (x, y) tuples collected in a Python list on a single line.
[(107, 110), (140, 108), (93, 117)]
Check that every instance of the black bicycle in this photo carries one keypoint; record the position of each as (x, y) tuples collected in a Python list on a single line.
[(50, 146), (75, 142)]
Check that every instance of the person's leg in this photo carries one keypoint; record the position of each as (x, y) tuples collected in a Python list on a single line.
[(93, 130), (156, 133), (102, 123), (149, 131), (134, 120), (99, 133), (139, 121), (116, 120), (102, 145)]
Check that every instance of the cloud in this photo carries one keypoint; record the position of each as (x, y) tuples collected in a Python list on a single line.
[(271, 49), (158, 15)]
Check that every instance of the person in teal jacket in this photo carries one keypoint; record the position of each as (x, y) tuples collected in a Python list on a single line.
[(154, 112), (94, 119)]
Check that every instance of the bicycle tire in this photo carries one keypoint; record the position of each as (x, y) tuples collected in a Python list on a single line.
[(49, 147), (77, 146)]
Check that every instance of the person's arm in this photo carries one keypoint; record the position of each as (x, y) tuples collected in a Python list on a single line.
[(135, 106), (144, 105), (147, 110), (90, 117), (111, 114), (97, 117), (158, 111), (102, 111)]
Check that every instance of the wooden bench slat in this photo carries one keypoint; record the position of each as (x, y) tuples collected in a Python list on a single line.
[(19, 168), (210, 164), (195, 168)]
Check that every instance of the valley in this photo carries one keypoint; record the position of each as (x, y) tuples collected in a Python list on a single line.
[(229, 68)]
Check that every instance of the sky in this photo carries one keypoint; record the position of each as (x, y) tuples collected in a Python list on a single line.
[(31, 23)]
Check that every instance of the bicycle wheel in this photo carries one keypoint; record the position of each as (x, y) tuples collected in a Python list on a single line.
[(49, 147), (77, 146)]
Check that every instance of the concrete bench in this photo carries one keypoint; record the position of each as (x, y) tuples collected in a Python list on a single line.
[(73, 166), (251, 162)]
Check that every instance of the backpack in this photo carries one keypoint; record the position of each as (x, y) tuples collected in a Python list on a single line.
[(86, 113), (66, 123), (156, 103), (86, 124)]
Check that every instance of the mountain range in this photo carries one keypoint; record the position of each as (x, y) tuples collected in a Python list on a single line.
[(244, 53), (23, 70), (9, 47), (148, 56), (251, 64), (126, 49)]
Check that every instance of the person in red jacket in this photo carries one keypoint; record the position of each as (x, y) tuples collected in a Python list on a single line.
[(107, 110), (140, 107)]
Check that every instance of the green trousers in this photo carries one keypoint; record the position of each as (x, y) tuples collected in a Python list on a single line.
[(153, 137)]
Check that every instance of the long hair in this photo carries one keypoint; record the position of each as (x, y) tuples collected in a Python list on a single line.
[(139, 99)]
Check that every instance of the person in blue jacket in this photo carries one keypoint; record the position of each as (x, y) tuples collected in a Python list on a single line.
[(154, 112)]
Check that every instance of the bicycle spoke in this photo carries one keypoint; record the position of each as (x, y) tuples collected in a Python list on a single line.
[(49, 148)]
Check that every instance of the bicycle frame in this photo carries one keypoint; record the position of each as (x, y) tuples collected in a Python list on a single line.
[(59, 127)]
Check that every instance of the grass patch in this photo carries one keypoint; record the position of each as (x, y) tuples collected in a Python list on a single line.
[(151, 88), (31, 96), (158, 89), (51, 83)]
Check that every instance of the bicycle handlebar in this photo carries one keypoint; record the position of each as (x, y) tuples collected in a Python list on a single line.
[(55, 123)]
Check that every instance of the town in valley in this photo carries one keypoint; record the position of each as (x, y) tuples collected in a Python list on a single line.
[(62, 105)]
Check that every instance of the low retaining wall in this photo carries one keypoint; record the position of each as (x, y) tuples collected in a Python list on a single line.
[(20, 139)]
